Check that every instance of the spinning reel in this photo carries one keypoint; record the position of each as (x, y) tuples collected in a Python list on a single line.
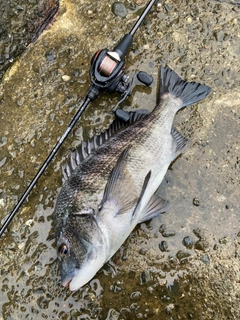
[(107, 73)]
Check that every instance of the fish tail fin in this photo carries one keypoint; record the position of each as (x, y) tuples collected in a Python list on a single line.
[(188, 92)]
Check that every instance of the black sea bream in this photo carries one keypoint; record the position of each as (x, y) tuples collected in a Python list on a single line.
[(112, 187)]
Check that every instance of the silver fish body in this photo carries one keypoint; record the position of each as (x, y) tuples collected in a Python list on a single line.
[(113, 188)]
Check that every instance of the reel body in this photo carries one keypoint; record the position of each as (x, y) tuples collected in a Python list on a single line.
[(107, 74)]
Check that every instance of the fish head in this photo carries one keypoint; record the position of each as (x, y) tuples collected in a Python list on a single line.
[(80, 250)]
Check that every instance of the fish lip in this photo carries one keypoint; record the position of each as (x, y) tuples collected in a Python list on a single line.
[(66, 280)]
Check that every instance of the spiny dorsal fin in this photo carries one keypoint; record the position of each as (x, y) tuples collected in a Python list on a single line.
[(86, 148)]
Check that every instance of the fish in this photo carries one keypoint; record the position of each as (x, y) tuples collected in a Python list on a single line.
[(110, 182)]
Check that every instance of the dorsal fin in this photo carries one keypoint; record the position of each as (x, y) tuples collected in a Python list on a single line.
[(86, 148)]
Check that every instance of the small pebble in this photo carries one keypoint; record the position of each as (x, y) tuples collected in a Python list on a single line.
[(3, 161), (19, 8), (52, 116), (33, 143), (150, 290), (3, 141), (167, 8), (205, 259), (224, 240), (219, 35), (29, 222), (2, 203), (65, 77), (115, 288), (119, 9), (201, 245), (113, 314), (163, 246), (21, 245), (169, 308), (187, 242), (199, 233), (196, 202), (167, 234), (38, 266), (162, 228), (136, 295), (50, 56), (182, 255), (126, 313), (145, 277)]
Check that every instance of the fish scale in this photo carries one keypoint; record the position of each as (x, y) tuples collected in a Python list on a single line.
[(157, 125)]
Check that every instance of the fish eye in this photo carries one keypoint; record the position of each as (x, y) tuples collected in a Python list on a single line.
[(63, 250)]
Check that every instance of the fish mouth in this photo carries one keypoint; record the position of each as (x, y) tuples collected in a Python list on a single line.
[(66, 280)]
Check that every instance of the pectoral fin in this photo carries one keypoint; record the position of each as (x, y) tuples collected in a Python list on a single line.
[(120, 189)]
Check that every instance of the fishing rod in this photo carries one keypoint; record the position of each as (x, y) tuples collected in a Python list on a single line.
[(107, 75)]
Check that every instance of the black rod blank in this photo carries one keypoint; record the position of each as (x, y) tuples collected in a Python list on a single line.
[(44, 166), (142, 16)]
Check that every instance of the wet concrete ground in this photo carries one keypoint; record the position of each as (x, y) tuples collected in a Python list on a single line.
[(198, 275), (21, 23)]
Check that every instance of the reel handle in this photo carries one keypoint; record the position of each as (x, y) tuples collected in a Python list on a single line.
[(143, 78)]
